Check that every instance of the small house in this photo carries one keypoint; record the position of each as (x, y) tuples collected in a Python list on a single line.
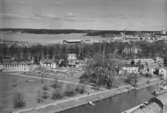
[(72, 59), (16, 67), (163, 73), (50, 64), (129, 69)]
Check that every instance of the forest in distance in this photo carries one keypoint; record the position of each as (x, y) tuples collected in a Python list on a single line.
[(60, 51), (68, 31)]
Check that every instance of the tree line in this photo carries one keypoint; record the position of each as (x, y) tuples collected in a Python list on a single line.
[(60, 51)]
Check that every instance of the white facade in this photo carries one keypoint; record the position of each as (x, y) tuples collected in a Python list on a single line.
[(49, 65), (16, 67), (159, 61), (72, 59), (163, 72), (144, 60), (71, 56), (1, 67), (131, 69)]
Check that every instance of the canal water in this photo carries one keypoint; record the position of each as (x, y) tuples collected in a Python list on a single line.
[(116, 104)]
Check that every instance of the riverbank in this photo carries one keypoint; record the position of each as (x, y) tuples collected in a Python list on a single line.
[(62, 105)]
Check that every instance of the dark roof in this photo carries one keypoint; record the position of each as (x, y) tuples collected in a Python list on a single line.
[(155, 105), (163, 99)]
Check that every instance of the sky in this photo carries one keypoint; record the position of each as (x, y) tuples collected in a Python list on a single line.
[(84, 14)]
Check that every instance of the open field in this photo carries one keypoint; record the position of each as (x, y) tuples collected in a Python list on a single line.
[(9, 85), (29, 87), (48, 38), (66, 74), (85, 99)]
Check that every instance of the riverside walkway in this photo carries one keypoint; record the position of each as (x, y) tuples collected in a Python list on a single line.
[(64, 104)]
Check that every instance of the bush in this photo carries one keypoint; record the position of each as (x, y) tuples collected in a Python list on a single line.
[(18, 100), (39, 100), (80, 89), (70, 93), (39, 97), (57, 94), (69, 90), (56, 84), (132, 79), (96, 88), (45, 88), (149, 75), (100, 71), (45, 95)]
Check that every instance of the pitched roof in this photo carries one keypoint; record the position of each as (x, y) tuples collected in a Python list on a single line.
[(155, 105)]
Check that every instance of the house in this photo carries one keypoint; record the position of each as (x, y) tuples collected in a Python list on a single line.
[(159, 61), (131, 50), (163, 73), (147, 70), (143, 60), (164, 37), (129, 69), (1, 67), (147, 65), (72, 59), (48, 63), (73, 41), (16, 67), (11, 64), (132, 38)]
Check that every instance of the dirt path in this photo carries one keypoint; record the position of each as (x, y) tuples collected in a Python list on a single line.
[(76, 101), (50, 79)]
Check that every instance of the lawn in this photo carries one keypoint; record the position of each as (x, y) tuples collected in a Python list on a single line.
[(10, 85), (45, 39), (32, 89), (65, 74)]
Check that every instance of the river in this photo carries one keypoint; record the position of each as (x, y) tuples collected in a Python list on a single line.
[(115, 104)]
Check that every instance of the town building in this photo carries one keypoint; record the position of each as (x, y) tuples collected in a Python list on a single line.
[(16, 67), (159, 61), (1, 67), (129, 69), (143, 60), (48, 63), (131, 51), (132, 38), (163, 73), (72, 59), (73, 42), (148, 65)]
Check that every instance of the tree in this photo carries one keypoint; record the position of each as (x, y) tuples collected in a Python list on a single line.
[(165, 61), (99, 71), (18, 100), (43, 72), (132, 79), (39, 97)]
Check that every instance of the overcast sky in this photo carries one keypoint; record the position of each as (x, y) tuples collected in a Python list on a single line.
[(84, 14)]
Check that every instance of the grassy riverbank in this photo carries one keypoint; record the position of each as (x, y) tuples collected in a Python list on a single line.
[(65, 104)]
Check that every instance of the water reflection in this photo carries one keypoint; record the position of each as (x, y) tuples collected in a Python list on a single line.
[(117, 103)]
